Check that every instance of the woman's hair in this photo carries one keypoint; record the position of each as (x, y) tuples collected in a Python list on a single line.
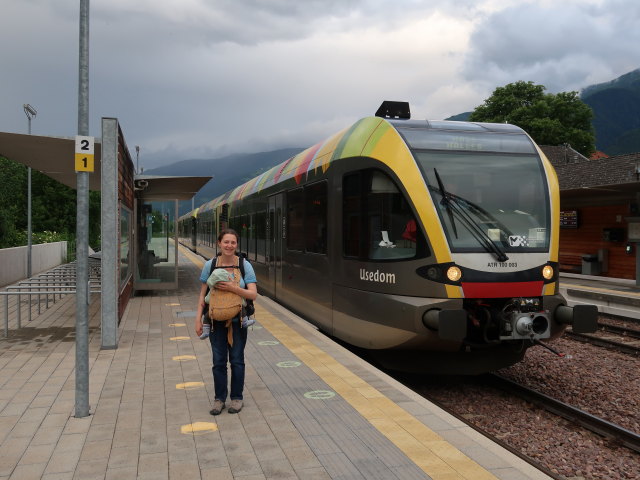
[(229, 231)]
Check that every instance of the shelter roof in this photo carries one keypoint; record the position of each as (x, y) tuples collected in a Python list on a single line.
[(55, 157)]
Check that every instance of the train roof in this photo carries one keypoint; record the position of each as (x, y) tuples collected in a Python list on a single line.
[(361, 139)]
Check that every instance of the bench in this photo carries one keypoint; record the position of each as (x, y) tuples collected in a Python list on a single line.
[(570, 262)]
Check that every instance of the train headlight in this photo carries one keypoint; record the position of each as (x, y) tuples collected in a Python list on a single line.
[(547, 272), (454, 273)]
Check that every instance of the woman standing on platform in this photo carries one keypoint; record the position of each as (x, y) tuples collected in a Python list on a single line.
[(228, 339)]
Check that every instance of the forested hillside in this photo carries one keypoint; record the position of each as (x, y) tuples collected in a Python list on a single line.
[(53, 208), (616, 108)]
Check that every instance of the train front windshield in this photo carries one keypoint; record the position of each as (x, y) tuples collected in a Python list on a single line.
[(490, 190)]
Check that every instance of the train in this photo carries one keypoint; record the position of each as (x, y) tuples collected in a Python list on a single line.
[(433, 245)]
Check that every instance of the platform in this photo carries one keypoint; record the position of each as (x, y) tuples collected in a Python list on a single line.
[(612, 296), (312, 410)]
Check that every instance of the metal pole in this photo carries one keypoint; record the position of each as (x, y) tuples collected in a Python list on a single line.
[(82, 227), (30, 112)]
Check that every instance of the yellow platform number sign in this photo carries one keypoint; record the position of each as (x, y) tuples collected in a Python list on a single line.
[(84, 153)]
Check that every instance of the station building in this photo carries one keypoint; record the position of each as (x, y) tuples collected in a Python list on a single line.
[(600, 216)]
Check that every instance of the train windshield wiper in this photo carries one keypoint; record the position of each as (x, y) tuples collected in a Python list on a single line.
[(446, 202), (460, 207)]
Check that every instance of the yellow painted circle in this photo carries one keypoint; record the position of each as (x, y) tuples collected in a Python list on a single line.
[(177, 324), (320, 394), (172, 304), (179, 339), (183, 358), (189, 385), (198, 428), (269, 342)]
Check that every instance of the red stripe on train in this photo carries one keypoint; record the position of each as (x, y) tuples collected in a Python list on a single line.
[(500, 290)]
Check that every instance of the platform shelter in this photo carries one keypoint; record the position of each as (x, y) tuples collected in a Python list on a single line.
[(138, 213)]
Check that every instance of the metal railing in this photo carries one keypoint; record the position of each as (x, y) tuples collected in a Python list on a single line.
[(46, 288)]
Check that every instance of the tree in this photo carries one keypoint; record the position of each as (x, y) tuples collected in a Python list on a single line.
[(550, 119)]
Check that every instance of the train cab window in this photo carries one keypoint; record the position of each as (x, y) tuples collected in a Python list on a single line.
[(378, 223)]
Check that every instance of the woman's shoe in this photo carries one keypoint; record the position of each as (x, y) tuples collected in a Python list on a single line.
[(236, 406), (218, 406)]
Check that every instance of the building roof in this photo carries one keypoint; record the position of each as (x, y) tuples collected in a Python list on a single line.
[(604, 180)]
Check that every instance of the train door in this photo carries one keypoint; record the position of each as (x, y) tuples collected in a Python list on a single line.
[(274, 249)]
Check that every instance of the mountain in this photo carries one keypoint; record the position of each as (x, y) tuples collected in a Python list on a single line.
[(461, 117), (227, 172), (616, 108)]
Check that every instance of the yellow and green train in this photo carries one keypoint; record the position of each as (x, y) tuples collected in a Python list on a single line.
[(434, 244)]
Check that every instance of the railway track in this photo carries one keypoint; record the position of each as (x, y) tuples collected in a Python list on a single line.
[(579, 417), (619, 337)]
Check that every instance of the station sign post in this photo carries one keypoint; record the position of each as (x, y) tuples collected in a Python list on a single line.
[(84, 161)]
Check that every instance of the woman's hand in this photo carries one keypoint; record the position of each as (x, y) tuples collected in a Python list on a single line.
[(198, 326), (227, 287)]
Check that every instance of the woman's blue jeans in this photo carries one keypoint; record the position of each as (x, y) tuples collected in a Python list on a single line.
[(223, 352)]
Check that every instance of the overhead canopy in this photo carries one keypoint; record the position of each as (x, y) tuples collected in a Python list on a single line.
[(55, 157), (151, 187)]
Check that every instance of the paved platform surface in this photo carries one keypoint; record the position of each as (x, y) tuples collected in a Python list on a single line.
[(612, 296), (312, 409)]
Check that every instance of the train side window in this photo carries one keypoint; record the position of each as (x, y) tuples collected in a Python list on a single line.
[(316, 218), (378, 222), (352, 212), (295, 219), (244, 233), (261, 237), (251, 238)]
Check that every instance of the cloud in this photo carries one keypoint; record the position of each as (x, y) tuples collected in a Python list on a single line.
[(562, 45), (189, 78)]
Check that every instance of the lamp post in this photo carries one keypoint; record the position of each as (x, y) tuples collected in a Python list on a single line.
[(30, 112)]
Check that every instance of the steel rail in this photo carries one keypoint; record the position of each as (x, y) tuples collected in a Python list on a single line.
[(618, 330), (603, 342)]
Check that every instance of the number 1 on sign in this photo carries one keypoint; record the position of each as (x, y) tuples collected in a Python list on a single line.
[(84, 163)]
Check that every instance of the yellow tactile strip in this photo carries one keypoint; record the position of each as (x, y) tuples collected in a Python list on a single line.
[(428, 450)]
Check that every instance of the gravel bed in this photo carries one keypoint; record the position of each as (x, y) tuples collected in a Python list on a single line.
[(601, 382)]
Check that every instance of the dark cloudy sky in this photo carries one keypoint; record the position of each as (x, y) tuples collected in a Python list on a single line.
[(202, 78)]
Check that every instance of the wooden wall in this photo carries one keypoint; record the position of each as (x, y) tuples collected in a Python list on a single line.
[(588, 238), (126, 198)]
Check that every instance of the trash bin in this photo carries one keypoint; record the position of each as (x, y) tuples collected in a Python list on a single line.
[(591, 265)]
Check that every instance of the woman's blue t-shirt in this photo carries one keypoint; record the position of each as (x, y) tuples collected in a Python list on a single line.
[(249, 273)]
